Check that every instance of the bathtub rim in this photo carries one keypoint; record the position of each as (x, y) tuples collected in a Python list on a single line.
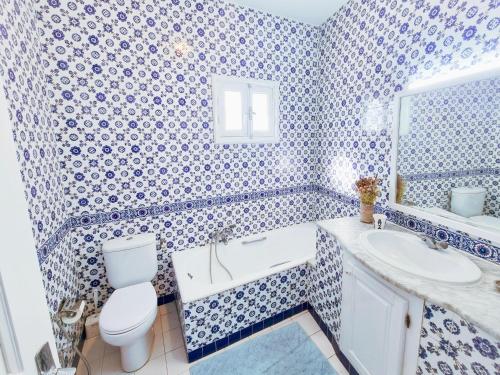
[(221, 287)]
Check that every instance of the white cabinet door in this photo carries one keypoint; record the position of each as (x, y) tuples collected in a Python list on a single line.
[(373, 324)]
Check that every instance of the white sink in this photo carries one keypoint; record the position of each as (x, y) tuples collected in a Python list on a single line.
[(409, 253)]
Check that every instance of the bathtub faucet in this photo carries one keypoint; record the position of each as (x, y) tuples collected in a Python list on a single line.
[(224, 234), (217, 236)]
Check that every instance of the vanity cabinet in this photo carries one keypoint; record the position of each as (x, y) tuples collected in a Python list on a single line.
[(377, 334)]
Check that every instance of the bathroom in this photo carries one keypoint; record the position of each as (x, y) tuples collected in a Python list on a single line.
[(254, 187)]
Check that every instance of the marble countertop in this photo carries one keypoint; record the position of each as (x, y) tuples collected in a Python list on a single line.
[(478, 303)]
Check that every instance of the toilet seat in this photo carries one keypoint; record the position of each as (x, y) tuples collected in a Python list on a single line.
[(128, 308)]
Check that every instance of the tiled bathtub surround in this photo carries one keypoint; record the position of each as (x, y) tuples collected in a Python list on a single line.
[(451, 345), (185, 229), (450, 138), (218, 319)]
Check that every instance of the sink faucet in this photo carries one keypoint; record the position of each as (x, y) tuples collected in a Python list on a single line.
[(223, 235), (433, 244)]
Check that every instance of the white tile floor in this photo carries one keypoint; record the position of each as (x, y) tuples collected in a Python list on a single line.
[(169, 354)]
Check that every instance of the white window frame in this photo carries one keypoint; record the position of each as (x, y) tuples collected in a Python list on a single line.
[(247, 87)]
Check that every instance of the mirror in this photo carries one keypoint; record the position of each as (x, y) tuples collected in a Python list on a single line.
[(448, 153)]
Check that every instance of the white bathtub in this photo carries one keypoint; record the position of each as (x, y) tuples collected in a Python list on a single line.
[(282, 249)]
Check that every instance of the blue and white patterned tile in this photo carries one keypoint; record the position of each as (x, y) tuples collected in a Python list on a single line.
[(370, 51), (451, 140), (111, 108), (451, 345), (130, 88), (215, 317), (325, 281), (23, 82), (179, 231)]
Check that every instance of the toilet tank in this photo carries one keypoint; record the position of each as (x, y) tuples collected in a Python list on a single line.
[(130, 260), (468, 202)]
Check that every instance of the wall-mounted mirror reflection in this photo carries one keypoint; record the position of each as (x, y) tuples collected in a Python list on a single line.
[(448, 159)]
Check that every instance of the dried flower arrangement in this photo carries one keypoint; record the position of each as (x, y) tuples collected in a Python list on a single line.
[(368, 189)]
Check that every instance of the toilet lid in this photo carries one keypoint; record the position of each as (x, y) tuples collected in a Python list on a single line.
[(128, 308)]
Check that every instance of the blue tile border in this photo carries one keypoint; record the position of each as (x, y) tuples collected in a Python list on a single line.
[(343, 198), (477, 247), (157, 210), (53, 241), (452, 174), (481, 248), (167, 298), (234, 337)]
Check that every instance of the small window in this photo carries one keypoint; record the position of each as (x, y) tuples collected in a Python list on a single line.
[(245, 111)]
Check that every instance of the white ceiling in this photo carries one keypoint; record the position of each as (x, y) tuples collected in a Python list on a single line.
[(313, 12)]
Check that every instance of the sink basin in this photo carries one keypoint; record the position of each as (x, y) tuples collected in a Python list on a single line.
[(409, 253)]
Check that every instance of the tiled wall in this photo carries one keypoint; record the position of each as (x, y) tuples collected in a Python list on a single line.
[(451, 345), (325, 281), (130, 89), (219, 316), (130, 93), (127, 113), (23, 82), (370, 51), (450, 138), (186, 228)]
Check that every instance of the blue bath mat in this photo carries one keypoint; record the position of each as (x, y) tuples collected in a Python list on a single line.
[(286, 351)]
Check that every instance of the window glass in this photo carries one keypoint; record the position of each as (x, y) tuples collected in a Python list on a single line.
[(260, 112), (233, 111)]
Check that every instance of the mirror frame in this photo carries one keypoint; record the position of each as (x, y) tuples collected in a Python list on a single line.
[(424, 86)]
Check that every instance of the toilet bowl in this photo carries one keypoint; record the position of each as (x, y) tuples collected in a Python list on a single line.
[(467, 202), (126, 321), (128, 315)]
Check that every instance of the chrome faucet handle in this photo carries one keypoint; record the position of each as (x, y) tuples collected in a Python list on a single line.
[(223, 234), (432, 243), (230, 228)]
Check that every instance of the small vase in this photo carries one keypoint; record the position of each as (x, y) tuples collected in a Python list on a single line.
[(366, 211)]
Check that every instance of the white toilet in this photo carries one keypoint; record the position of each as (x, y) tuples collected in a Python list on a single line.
[(128, 315), (467, 202)]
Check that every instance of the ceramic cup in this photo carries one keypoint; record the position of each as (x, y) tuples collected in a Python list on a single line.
[(379, 221)]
